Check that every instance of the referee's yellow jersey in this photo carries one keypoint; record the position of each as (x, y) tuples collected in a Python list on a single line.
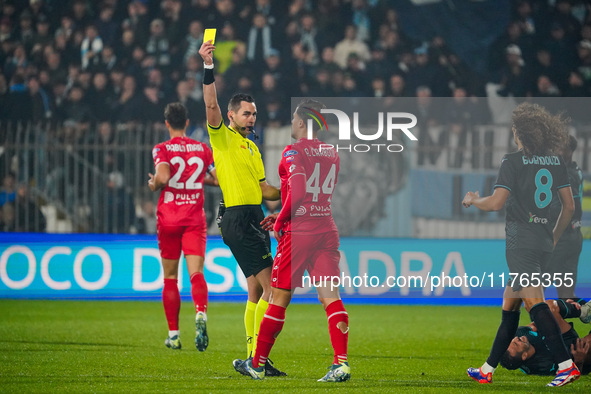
[(238, 165)]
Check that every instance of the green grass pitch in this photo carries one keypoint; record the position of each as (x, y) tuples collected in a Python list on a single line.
[(116, 346)]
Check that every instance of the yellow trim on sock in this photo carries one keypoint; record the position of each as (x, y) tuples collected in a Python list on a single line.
[(249, 322), (260, 313)]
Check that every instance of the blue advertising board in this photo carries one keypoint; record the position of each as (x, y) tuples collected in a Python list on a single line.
[(374, 270)]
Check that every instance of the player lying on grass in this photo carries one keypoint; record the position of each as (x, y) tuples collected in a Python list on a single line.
[(528, 352)]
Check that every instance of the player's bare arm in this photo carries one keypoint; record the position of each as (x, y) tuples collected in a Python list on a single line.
[(566, 213), (270, 192), (212, 108), (211, 178), (161, 178), (494, 202)]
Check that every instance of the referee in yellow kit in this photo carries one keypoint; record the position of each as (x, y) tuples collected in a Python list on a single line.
[(241, 176)]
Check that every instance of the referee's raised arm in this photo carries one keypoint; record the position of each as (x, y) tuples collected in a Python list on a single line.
[(212, 108)]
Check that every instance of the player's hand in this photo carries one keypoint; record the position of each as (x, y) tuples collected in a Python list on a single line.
[(579, 350), (469, 198), (573, 302), (206, 52), (278, 229), (151, 182), (278, 235), (269, 221)]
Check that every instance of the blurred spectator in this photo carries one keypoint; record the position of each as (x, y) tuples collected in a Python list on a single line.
[(240, 66), (322, 86), (8, 218), (29, 217), (564, 17), (327, 61), (17, 61), (146, 223), (40, 101), (4, 100), (174, 20), (275, 112), (5, 29), (576, 86), (195, 108), (117, 211), (107, 28), (80, 14), (138, 20), (514, 79), (75, 108), (398, 86), (42, 37), (18, 99), (378, 87), (584, 60), (260, 39), (8, 191), (101, 97), (107, 60), (350, 44), (513, 37), (427, 73), (545, 87), (127, 107), (308, 37), (561, 46), (360, 11), (152, 107), (26, 32), (192, 41), (158, 45)]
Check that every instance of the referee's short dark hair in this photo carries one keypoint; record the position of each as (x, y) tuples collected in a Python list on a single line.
[(176, 114), (234, 104), (303, 111)]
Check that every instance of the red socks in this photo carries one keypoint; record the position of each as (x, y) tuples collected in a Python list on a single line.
[(270, 327), (336, 314), (171, 299), (199, 292)]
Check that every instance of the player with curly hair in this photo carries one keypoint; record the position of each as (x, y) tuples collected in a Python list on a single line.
[(527, 182)]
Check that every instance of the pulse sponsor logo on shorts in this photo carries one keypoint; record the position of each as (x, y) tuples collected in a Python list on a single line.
[(536, 219), (168, 197)]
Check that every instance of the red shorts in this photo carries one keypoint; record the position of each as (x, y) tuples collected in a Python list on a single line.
[(190, 239), (296, 253)]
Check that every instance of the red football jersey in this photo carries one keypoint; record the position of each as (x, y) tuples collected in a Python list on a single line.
[(181, 201), (320, 164)]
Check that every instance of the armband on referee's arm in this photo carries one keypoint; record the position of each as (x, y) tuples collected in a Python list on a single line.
[(208, 78)]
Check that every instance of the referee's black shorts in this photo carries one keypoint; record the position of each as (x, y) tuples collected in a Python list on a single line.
[(242, 232)]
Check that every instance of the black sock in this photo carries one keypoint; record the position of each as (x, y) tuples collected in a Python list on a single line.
[(549, 330), (567, 310), (505, 334)]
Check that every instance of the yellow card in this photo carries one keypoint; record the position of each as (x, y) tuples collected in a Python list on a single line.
[(209, 34)]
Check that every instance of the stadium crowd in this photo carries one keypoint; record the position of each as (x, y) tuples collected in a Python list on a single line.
[(96, 69), (122, 61)]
